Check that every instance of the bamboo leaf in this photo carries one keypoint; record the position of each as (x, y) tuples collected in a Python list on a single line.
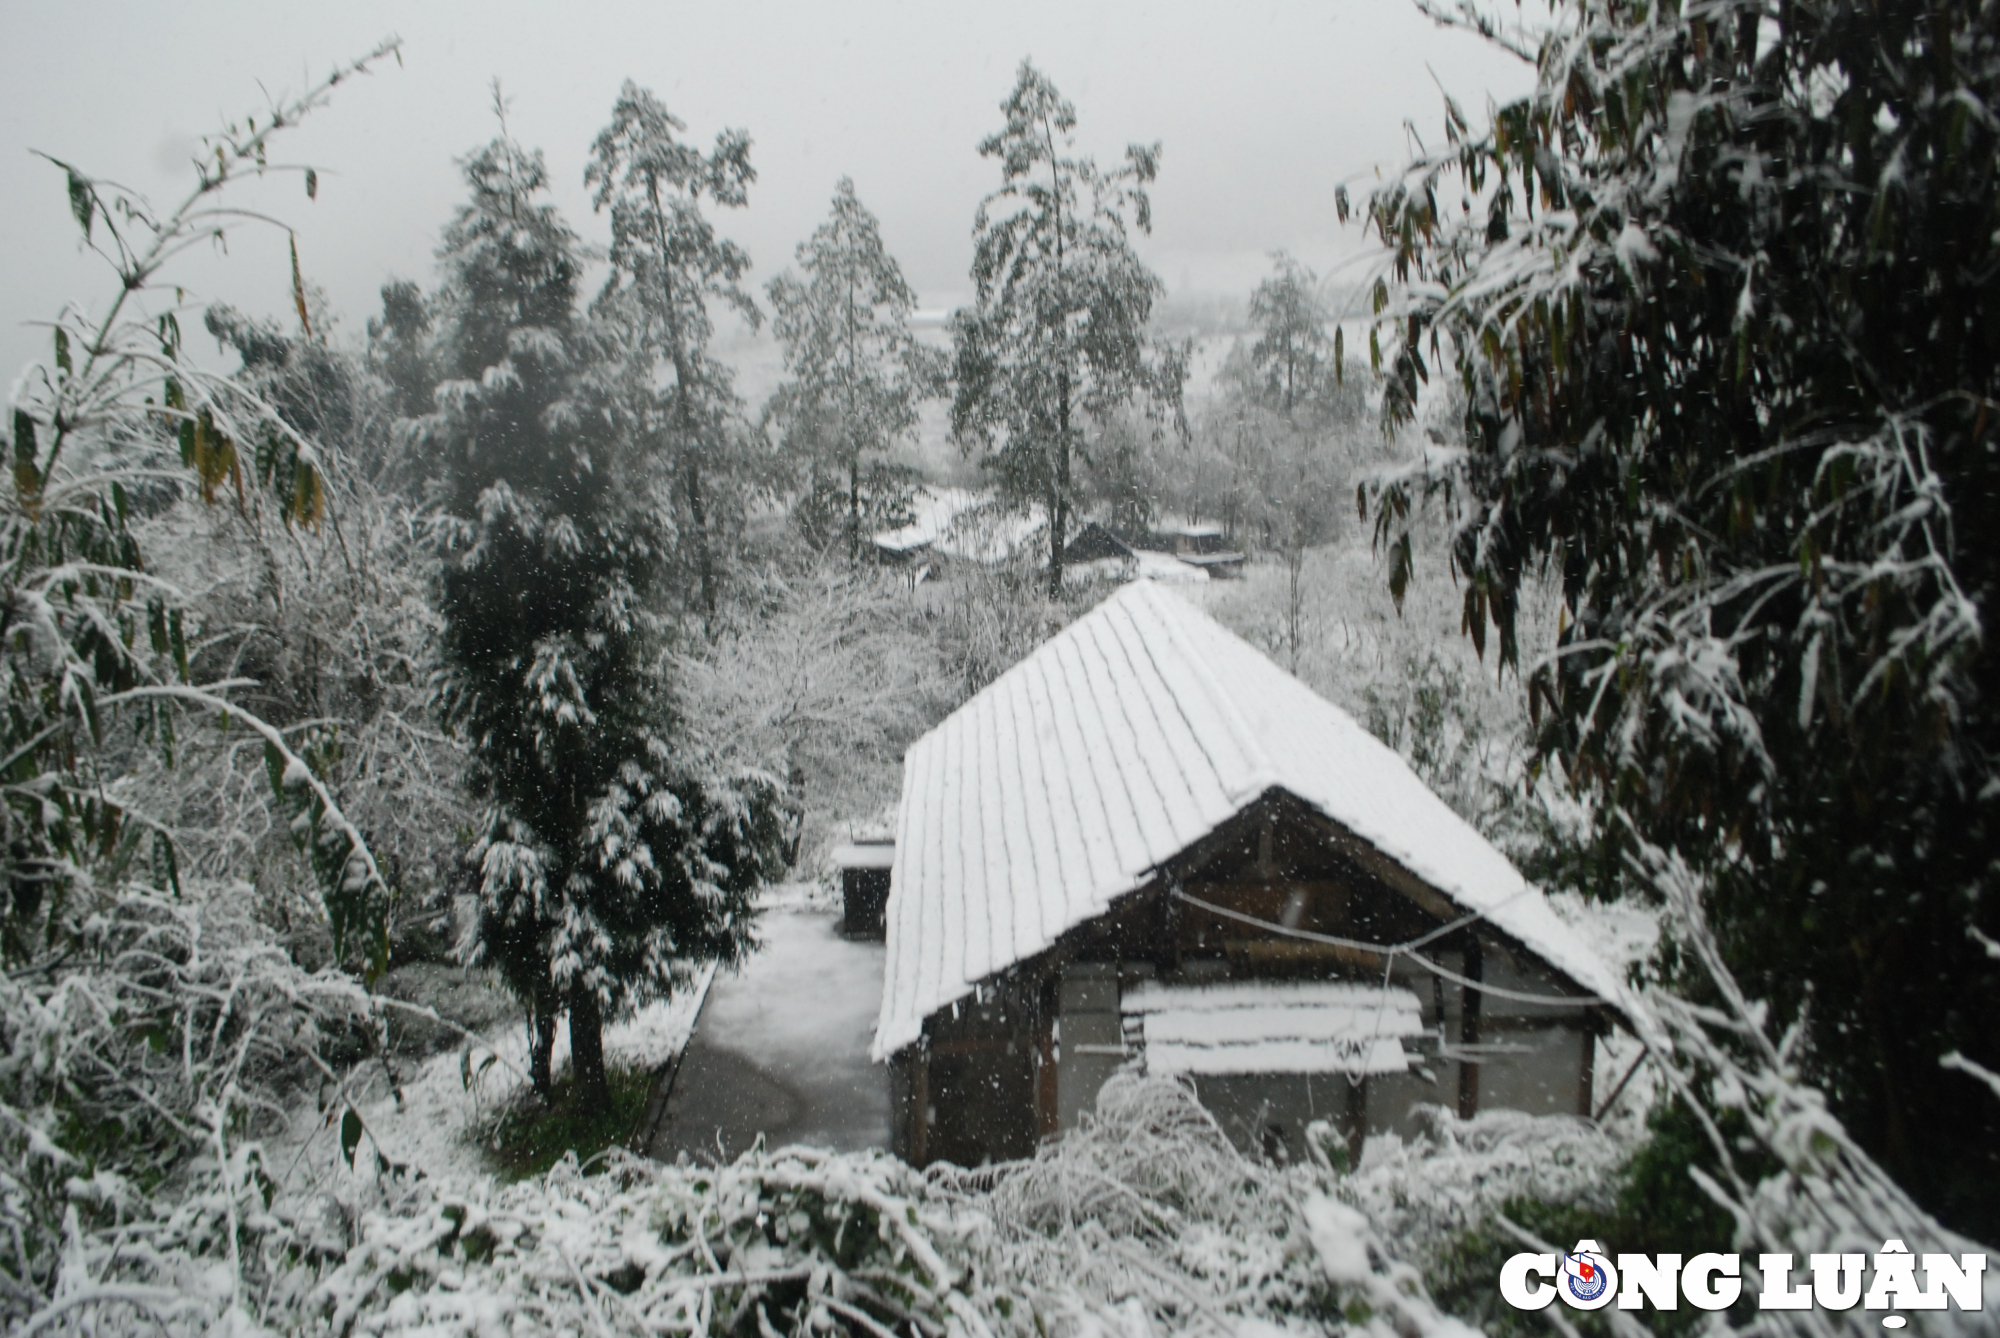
[(299, 290), (81, 203), (350, 1134)]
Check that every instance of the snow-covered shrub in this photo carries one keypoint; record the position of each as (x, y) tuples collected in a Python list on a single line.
[(138, 1063), (1145, 1220), (825, 684), (1453, 1174), (331, 636)]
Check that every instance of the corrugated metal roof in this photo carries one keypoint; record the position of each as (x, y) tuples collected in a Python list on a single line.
[(1120, 742)]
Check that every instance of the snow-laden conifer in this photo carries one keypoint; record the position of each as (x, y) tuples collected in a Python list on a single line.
[(856, 373), (1055, 340), (611, 858)]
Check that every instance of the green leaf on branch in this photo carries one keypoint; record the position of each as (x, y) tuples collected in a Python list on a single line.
[(1399, 569), (81, 202), (27, 478), (350, 1134)]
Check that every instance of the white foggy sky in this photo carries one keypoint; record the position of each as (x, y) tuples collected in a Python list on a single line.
[(1262, 110)]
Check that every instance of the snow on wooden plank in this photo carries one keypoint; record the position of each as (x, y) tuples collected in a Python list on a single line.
[(1274, 1027), (865, 855), (1135, 731), (1150, 996), (1356, 1055)]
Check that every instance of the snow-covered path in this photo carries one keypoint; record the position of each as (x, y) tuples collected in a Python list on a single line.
[(781, 1048)]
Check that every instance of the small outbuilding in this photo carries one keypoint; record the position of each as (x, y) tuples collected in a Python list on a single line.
[(1147, 845), (864, 885)]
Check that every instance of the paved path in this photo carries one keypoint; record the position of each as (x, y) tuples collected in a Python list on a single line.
[(781, 1048)]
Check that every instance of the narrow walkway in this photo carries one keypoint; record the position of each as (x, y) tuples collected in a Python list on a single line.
[(781, 1048)]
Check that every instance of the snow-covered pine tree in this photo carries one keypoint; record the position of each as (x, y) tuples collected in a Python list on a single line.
[(1720, 296), (1056, 335), (611, 858), (1290, 390), (667, 265), (857, 373)]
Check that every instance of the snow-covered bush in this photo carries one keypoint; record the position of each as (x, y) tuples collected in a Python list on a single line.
[(1146, 1220), (1715, 295), (825, 684), (1454, 1174), (138, 1063)]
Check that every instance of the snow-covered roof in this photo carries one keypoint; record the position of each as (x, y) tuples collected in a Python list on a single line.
[(1151, 566), (962, 523), (1124, 739), (865, 855), (1193, 529), (931, 511), (1260, 1026)]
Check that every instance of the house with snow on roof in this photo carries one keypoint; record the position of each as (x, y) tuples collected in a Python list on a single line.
[(1147, 845)]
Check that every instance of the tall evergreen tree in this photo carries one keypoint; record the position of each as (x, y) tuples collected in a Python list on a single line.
[(611, 858), (1292, 352), (857, 373), (667, 265), (1056, 336)]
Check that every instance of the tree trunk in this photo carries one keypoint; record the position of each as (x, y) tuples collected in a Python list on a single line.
[(586, 1051), (1295, 561), (854, 511), (1059, 502), (541, 1048), (698, 514)]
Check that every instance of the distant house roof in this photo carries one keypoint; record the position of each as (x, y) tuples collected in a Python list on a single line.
[(961, 523), (1123, 740), (932, 509), (1182, 526), (1095, 542), (1272, 1026)]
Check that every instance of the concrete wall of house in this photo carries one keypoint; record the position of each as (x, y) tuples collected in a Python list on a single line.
[(1542, 1054), (1090, 1042)]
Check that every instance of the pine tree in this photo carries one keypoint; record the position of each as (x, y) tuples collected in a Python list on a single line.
[(857, 373), (611, 858), (1056, 337), (667, 265)]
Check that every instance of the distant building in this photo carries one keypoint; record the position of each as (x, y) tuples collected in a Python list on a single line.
[(1198, 543), (951, 526), (864, 885), (958, 525), (1098, 554), (1146, 844)]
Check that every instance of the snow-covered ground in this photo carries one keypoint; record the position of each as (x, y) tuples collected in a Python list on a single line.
[(781, 1047), (429, 1126)]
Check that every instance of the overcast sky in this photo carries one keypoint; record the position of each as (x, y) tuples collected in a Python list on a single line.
[(1262, 110)]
